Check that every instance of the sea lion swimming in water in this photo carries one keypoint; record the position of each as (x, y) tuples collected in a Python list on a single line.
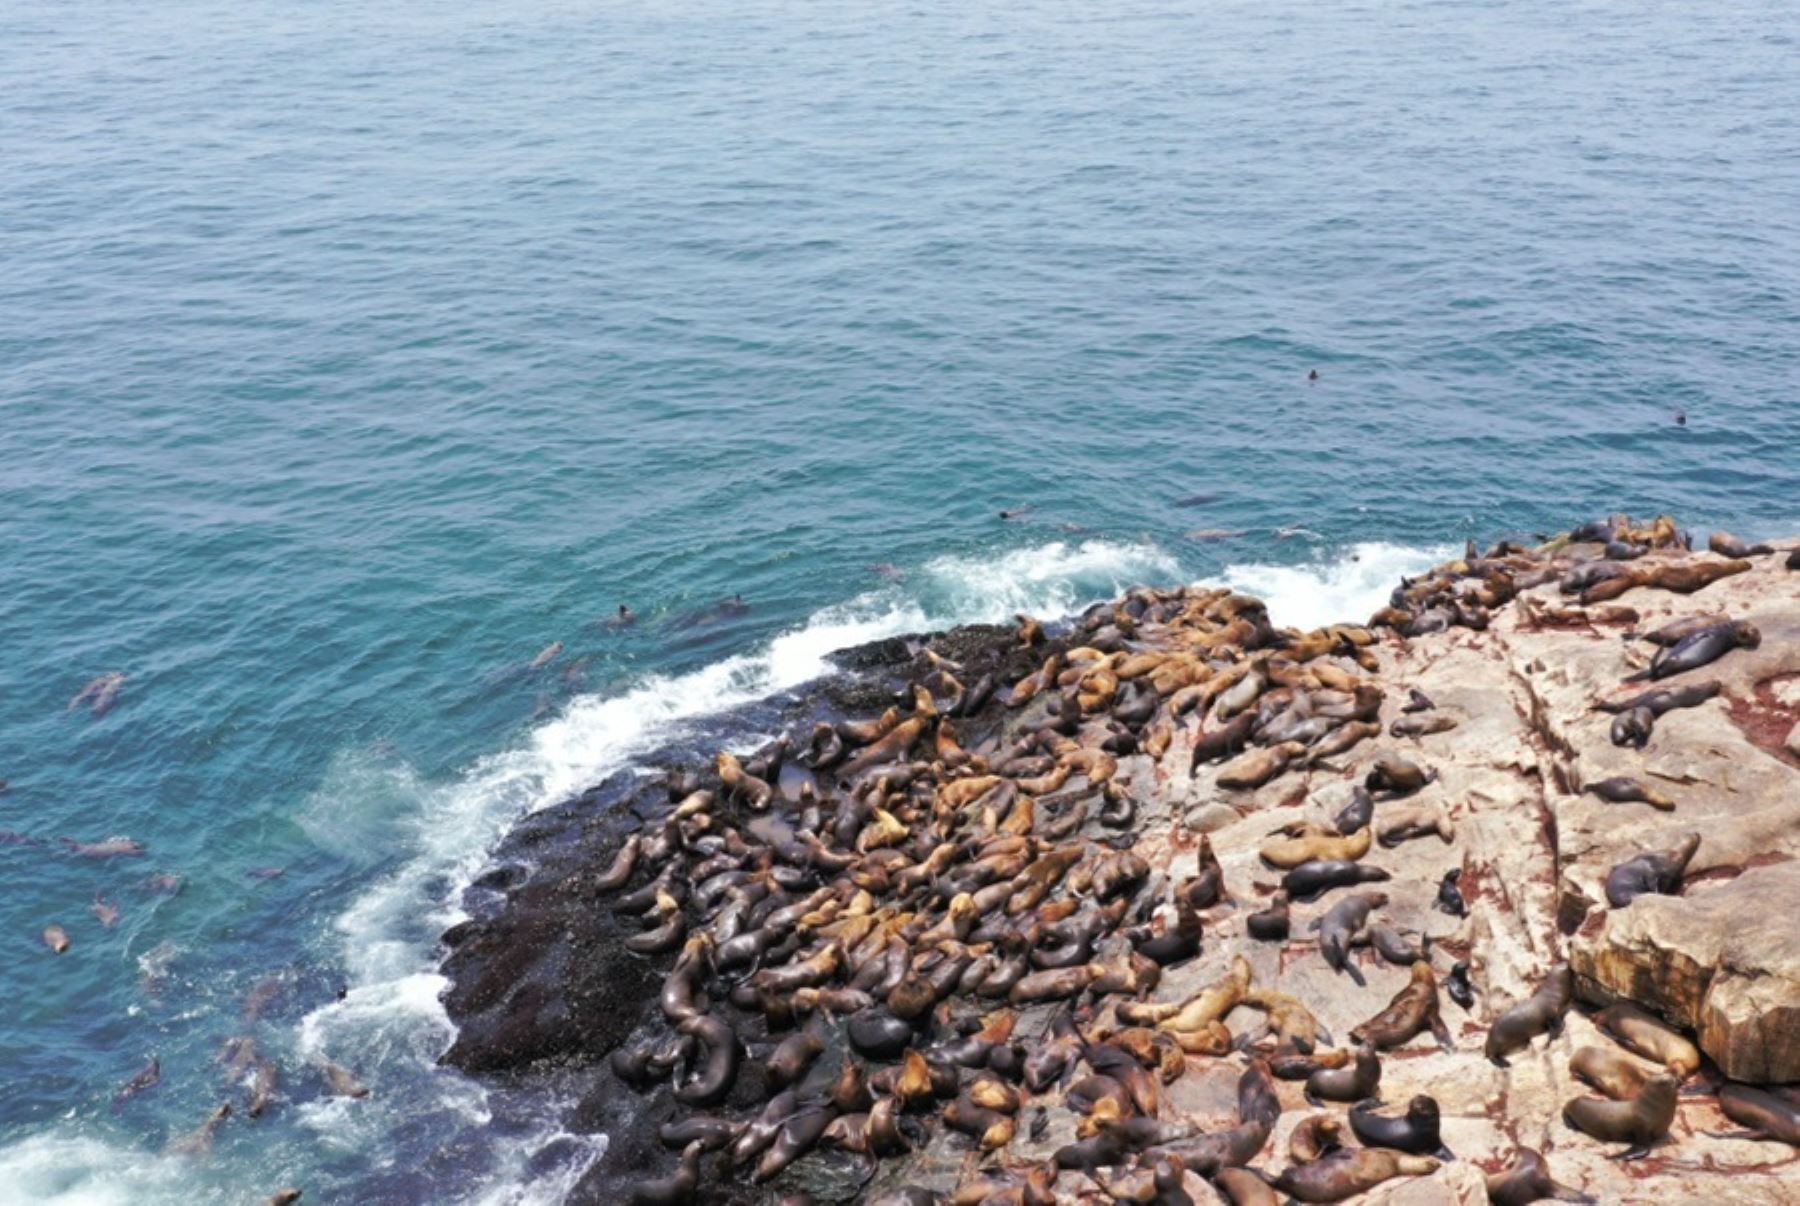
[(1528, 1180), (1656, 872), (1640, 1122), (100, 695), (1540, 1013), (56, 938)]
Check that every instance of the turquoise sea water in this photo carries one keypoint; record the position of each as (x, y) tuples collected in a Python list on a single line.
[(351, 355)]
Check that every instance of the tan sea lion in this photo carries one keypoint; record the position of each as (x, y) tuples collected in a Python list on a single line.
[(56, 938), (1348, 1172), (1316, 1135), (1650, 1037), (1610, 1071), (1256, 767), (1401, 823), (1307, 841)]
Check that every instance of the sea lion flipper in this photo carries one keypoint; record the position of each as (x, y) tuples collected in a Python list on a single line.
[(1355, 974), (1636, 1151), (1441, 1033)]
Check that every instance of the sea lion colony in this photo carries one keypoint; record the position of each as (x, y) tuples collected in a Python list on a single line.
[(883, 911)]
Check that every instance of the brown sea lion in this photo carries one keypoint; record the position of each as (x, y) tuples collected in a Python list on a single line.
[(1413, 1009), (1352, 1083), (1528, 1180), (1349, 1172), (676, 1188), (1258, 766), (1640, 1122), (199, 1141), (1727, 545), (1245, 1187), (1397, 776), (1422, 726), (148, 1077), (1340, 924), (1270, 924), (283, 1197), (1766, 1114), (1649, 1037), (340, 1081), (1613, 1073), (1540, 1013), (1666, 699), (1316, 1135), (1623, 790)]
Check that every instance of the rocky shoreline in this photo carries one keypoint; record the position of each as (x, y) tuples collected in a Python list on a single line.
[(977, 854)]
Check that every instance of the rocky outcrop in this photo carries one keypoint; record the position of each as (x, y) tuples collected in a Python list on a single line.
[(1513, 743)]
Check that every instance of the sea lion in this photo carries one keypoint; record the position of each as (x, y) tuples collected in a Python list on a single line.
[(1340, 924), (1767, 1114), (1540, 1013), (341, 1082), (792, 1058), (1417, 701), (100, 694), (1307, 841), (1640, 1122), (1633, 728), (1309, 881), (1245, 1187), (795, 1138), (1221, 742), (1727, 545), (1253, 769), (676, 1188), (1342, 739), (1353, 1083), (1449, 896), (713, 1134), (1397, 776), (199, 1140), (1699, 649), (1421, 726), (1528, 1180), (105, 912), (1649, 1037), (618, 872), (1658, 872), (1413, 1009), (1287, 1018), (1609, 1071), (56, 938), (1316, 1135), (283, 1197), (1404, 822), (718, 1071), (1623, 790), (1270, 924), (148, 1077), (112, 847), (546, 655), (1416, 1131), (1357, 814), (1666, 699), (1393, 945), (1349, 1172)]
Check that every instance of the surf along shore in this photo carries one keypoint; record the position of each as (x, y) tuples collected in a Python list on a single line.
[(1143, 903)]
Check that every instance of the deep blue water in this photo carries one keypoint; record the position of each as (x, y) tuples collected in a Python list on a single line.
[(352, 354)]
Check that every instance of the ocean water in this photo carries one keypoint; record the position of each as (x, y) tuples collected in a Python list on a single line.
[(351, 355)]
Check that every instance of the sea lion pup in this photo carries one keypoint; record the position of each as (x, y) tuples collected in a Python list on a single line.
[(1640, 1122), (676, 1188), (1633, 728), (1397, 776), (1306, 841), (1727, 545), (1540, 1013), (1357, 814), (1767, 1115), (1340, 924), (1206, 887), (1271, 924), (1608, 1070), (1624, 790), (1349, 1172), (1657, 872), (1666, 699), (1407, 821), (1253, 769), (1458, 986), (1416, 1131), (1171, 944), (1699, 649), (1353, 1083), (1526, 1181), (1650, 1037), (1413, 1009), (1285, 1017), (1449, 895), (1309, 881), (1316, 1135)]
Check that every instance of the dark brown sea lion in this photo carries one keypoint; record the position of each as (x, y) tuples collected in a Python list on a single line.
[(1657, 872), (1540, 1013), (713, 1134), (1649, 1037), (1457, 985), (1666, 699), (1357, 814), (1640, 1122), (1413, 1009), (796, 1137), (1528, 1180), (1397, 776), (1340, 924), (676, 1188), (1349, 1172), (1449, 896), (1727, 545), (1270, 924), (718, 1071), (1767, 1114), (1221, 742), (618, 872), (1416, 1131), (1633, 728), (283, 1197), (1353, 1083), (147, 1078), (1622, 790), (1309, 881)]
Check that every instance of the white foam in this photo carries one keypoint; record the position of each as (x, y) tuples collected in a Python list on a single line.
[(1347, 588)]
